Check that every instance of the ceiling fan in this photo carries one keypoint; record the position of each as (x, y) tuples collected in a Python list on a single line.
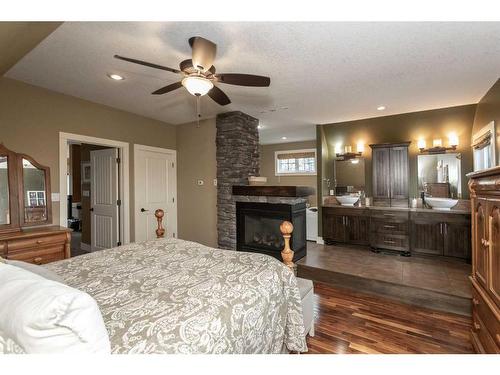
[(199, 74)]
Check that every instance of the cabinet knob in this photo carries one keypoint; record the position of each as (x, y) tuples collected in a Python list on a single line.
[(475, 301), (476, 326), (38, 260), (39, 241), (484, 242)]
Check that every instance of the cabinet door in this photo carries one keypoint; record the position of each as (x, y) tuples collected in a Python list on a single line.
[(381, 173), (427, 237), (358, 230), (399, 173), (457, 239), (493, 273), (334, 228), (480, 260)]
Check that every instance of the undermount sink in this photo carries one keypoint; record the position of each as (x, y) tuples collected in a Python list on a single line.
[(443, 204), (347, 200)]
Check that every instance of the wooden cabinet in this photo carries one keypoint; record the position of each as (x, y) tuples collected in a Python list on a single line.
[(36, 245), (346, 225), (389, 230), (485, 195), (441, 234), (390, 169)]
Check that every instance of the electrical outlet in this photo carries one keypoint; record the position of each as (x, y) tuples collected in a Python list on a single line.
[(215, 182), (200, 182)]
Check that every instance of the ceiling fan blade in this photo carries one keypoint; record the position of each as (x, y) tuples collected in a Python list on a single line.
[(203, 52), (243, 79), (145, 63), (218, 96), (171, 87)]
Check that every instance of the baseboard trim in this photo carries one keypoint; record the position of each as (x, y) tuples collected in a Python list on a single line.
[(320, 240)]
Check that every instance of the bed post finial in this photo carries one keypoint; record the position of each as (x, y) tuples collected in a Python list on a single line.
[(286, 229), (160, 231)]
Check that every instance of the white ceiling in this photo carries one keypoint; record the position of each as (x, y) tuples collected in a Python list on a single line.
[(320, 72)]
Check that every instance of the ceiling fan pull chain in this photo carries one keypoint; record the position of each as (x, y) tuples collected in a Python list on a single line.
[(198, 115)]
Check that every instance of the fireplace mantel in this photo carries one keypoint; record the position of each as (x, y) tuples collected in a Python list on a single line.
[(273, 191)]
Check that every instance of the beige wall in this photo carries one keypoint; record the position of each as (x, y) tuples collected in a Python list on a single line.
[(31, 119), (18, 38), (488, 109), (267, 166), (197, 205)]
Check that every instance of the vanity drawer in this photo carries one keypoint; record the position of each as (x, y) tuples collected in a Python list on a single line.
[(39, 255), (23, 244), (389, 226), (487, 315), (390, 241), (483, 336), (390, 215)]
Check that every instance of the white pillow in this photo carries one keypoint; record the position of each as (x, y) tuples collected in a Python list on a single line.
[(39, 270), (43, 316)]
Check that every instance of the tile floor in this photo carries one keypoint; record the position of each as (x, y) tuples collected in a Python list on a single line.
[(442, 275)]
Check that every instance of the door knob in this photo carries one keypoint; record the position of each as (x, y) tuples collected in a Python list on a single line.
[(92, 209), (143, 210)]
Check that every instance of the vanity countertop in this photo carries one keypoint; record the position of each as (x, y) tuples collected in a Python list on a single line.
[(407, 209)]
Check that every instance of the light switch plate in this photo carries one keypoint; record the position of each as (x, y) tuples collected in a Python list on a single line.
[(215, 182), (86, 193), (54, 197)]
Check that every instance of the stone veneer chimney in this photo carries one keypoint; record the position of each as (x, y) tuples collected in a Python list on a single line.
[(237, 142)]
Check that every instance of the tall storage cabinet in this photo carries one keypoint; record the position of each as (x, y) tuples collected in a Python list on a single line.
[(485, 196), (390, 170)]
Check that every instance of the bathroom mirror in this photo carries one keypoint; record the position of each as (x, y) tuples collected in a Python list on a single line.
[(439, 175), (349, 176)]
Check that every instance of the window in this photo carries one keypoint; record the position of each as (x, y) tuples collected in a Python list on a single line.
[(295, 162), (483, 146)]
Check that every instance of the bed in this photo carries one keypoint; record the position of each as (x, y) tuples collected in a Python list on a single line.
[(175, 296)]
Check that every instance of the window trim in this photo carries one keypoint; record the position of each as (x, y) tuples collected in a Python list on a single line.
[(278, 174)]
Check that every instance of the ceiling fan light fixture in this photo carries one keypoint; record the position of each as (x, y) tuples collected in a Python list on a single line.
[(197, 86)]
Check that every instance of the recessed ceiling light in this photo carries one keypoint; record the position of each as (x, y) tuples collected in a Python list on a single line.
[(283, 138), (116, 77), (259, 126), (381, 108)]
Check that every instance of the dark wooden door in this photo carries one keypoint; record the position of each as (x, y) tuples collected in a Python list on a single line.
[(457, 239), (427, 236), (399, 174), (381, 186), (334, 227), (480, 235), (493, 273), (358, 230)]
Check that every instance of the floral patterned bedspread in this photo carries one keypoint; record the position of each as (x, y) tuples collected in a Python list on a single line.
[(174, 296)]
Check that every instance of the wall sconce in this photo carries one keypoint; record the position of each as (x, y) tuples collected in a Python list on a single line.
[(360, 147), (348, 154), (437, 145)]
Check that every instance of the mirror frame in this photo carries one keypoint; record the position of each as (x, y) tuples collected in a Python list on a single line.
[(16, 191), (48, 198), (13, 191)]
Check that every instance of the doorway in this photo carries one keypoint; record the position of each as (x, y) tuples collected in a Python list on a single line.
[(94, 192)]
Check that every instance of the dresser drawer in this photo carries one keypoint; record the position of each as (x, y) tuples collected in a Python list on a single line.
[(40, 255), (488, 317), (3, 248), (24, 244), (486, 340)]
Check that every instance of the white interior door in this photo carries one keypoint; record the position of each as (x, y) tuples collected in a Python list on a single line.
[(104, 199), (155, 187)]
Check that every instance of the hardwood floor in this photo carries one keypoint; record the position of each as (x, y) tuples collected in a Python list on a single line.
[(351, 322)]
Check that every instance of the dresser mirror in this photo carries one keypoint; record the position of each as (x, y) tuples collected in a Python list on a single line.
[(34, 193), (349, 176), (439, 175), (24, 192)]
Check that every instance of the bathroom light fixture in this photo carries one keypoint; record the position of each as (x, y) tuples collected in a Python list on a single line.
[(360, 146), (197, 85), (115, 77), (348, 154), (437, 145), (381, 108)]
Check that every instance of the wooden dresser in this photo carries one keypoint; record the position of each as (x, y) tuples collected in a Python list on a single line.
[(485, 195), (36, 245)]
